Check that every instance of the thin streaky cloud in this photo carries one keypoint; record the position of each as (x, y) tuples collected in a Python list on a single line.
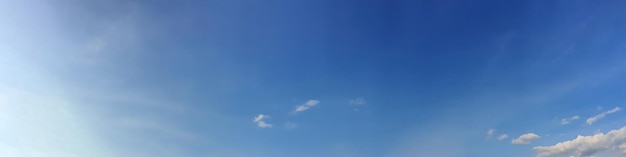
[(306, 106), (358, 101), (490, 132), (593, 119), (312, 102)]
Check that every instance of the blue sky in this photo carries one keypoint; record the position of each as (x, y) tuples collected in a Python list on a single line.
[(282, 78)]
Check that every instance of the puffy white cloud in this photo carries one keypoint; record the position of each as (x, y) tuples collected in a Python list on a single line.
[(568, 120), (525, 138), (259, 121), (593, 119), (307, 105), (584, 146), (502, 137)]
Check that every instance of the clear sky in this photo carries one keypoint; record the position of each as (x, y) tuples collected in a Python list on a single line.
[(312, 78)]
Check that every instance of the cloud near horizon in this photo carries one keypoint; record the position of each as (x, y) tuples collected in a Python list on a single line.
[(583, 146)]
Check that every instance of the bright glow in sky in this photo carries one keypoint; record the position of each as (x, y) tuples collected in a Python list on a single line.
[(331, 78)]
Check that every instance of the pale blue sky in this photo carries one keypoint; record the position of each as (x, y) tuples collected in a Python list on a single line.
[(282, 78)]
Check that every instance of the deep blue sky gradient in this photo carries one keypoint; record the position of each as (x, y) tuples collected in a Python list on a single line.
[(186, 78)]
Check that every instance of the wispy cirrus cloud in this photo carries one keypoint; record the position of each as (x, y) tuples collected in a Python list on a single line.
[(358, 101), (593, 119), (490, 132), (306, 106)]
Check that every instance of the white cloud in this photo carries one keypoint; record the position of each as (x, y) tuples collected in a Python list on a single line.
[(307, 105), (490, 132), (568, 120), (302, 108), (525, 139), (584, 146), (502, 137), (259, 118), (262, 124), (259, 121), (358, 101), (593, 119), (312, 102)]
